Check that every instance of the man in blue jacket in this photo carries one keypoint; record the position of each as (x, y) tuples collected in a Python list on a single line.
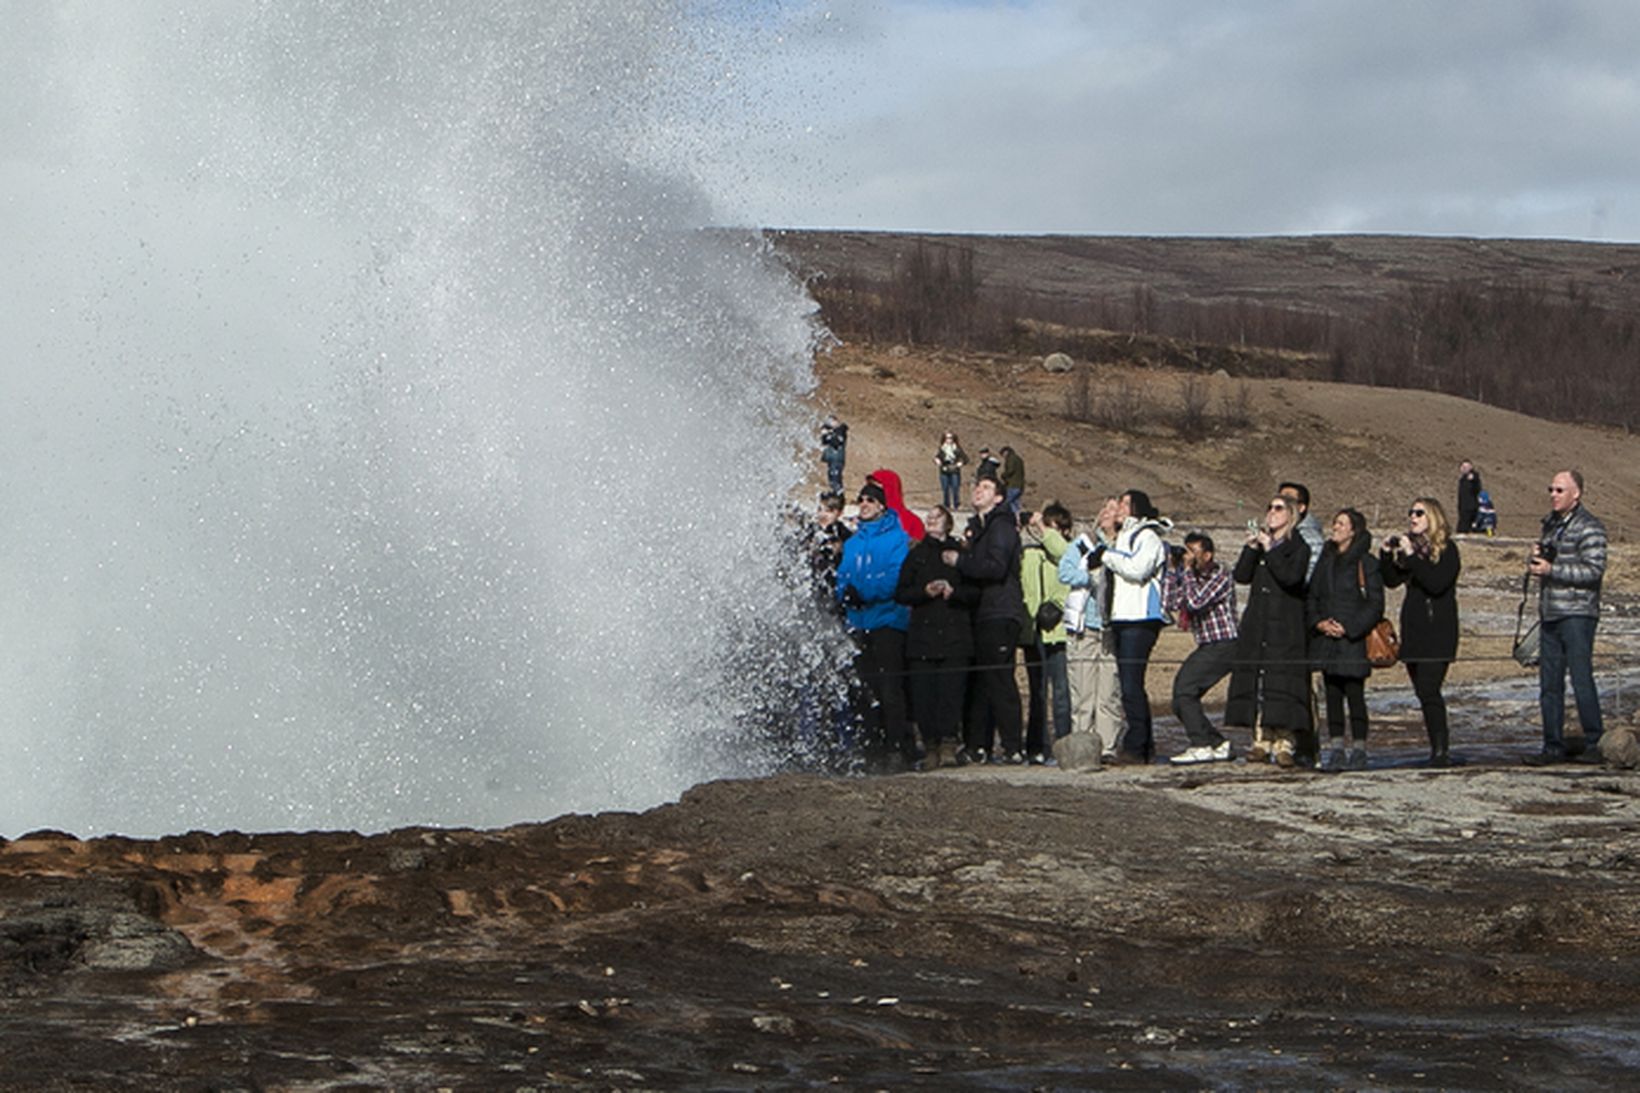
[(867, 577)]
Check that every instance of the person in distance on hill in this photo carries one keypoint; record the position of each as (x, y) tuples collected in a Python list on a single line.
[(1570, 561), (1013, 479), (1270, 685), (834, 451), (1135, 557), (989, 466), (1426, 560), (1469, 496), (867, 577), (1346, 600), (1045, 669), (950, 459), (1096, 694), (1201, 594), (940, 641), (991, 563)]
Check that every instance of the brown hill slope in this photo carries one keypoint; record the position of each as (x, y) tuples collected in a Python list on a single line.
[(1343, 274), (1373, 448)]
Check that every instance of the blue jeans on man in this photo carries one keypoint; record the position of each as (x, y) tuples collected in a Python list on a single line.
[(1568, 644), (951, 489)]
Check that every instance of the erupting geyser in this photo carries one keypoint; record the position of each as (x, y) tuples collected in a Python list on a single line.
[(381, 441)]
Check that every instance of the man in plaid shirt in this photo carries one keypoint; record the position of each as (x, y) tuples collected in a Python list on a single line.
[(1202, 595)]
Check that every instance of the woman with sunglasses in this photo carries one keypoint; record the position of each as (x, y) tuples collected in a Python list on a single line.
[(1425, 559), (1270, 685)]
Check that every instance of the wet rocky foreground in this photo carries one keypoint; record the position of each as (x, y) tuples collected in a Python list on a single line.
[(990, 928)]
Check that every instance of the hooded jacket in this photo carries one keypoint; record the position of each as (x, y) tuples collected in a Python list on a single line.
[(992, 562), (894, 493), (1084, 608), (870, 565), (1039, 578), (1135, 559)]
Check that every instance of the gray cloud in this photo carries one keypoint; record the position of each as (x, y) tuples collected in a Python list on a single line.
[(1502, 117)]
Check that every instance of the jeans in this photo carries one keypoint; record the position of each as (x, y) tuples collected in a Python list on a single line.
[(951, 489), (1134, 641), (1045, 668), (1200, 671), (1011, 499), (1568, 644), (834, 469)]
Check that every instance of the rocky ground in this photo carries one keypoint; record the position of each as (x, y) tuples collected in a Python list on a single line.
[(990, 928)]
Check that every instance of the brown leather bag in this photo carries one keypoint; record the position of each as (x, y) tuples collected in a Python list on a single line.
[(1383, 643)]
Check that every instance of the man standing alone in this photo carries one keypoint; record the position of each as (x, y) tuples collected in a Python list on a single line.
[(1469, 496), (1570, 561)]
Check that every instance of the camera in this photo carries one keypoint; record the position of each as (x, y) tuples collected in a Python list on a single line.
[(1547, 550), (1393, 543)]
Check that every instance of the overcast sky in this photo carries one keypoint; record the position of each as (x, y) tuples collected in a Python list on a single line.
[(1461, 117)]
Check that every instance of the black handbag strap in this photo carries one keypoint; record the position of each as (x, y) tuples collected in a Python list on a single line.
[(1520, 612)]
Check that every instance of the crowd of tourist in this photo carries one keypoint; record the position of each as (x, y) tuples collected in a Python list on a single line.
[(1296, 621)]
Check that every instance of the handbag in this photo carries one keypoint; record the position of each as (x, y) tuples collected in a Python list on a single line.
[(1048, 613), (1383, 643), (1528, 647)]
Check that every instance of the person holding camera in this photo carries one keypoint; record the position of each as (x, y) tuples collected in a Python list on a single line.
[(991, 563), (1202, 596), (1426, 560), (1270, 686), (1096, 695), (1570, 562)]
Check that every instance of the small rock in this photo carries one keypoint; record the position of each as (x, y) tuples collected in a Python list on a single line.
[(1078, 751), (1621, 748), (1057, 362), (899, 351), (774, 1023)]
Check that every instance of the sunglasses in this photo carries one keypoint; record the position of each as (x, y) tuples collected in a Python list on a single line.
[(1416, 512), (1276, 506)]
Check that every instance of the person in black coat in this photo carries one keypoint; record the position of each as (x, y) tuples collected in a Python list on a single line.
[(1426, 560), (991, 563), (940, 642), (1469, 496), (1346, 601), (1271, 680)]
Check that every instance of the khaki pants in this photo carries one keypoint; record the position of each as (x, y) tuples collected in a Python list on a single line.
[(1096, 697)]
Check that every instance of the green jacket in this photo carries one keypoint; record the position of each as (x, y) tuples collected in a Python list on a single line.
[(1039, 577)]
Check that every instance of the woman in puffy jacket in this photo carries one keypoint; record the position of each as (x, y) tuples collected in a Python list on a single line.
[(1425, 559), (1346, 601), (1270, 686), (1135, 556)]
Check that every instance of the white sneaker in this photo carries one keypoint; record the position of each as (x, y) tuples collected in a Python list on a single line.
[(1201, 753), (1221, 754)]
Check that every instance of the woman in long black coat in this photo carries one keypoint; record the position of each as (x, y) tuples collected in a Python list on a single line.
[(940, 642), (1270, 685), (1425, 559), (1346, 601)]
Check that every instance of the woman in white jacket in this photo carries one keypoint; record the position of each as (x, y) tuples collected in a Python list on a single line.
[(1135, 556)]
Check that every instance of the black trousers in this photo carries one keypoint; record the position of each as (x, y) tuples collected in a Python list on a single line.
[(994, 696), (880, 705), (1197, 675), (1350, 689), (1427, 678), (938, 688)]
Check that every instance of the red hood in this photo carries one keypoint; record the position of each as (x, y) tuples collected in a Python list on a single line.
[(909, 521)]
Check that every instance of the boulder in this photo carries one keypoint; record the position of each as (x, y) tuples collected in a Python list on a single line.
[(1078, 751), (1058, 362), (1620, 747)]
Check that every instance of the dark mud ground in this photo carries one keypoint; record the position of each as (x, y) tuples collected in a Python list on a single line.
[(989, 928)]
